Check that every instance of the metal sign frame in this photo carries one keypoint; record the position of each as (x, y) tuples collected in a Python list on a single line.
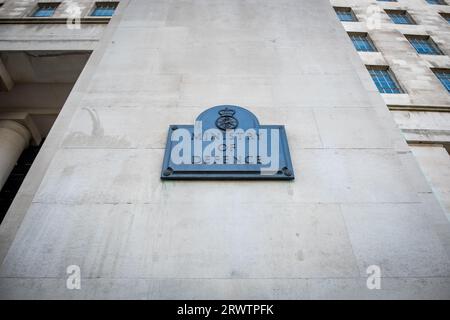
[(227, 117)]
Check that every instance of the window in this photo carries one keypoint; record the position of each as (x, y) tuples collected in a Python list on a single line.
[(345, 14), (444, 76), (400, 17), (384, 79), (424, 44), (104, 9), (45, 9), (446, 16), (362, 42), (436, 2)]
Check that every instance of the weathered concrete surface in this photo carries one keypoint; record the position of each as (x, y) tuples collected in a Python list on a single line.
[(435, 163), (359, 198), (422, 126)]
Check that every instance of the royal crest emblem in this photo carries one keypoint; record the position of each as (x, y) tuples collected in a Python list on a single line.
[(227, 121)]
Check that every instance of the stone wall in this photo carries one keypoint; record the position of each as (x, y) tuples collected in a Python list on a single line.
[(95, 199)]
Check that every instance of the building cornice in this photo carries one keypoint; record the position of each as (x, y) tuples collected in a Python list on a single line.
[(435, 108)]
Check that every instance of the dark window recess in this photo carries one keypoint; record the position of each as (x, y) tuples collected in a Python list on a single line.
[(16, 178)]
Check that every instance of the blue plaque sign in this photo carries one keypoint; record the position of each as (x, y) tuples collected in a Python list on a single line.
[(227, 143)]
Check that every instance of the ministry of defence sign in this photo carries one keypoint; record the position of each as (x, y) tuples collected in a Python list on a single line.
[(227, 143)]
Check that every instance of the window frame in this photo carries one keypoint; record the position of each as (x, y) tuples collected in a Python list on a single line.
[(40, 6), (398, 89), (367, 38), (346, 9), (430, 42), (437, 71), (97, 3), (441, 3), (445, 16), (404, 13)]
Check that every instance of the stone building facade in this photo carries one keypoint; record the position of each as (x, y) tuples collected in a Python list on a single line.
[(103, 95), (421, 110)]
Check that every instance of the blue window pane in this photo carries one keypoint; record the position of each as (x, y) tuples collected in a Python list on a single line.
[(362, 43), (104, 9), (424, 46), (384, 82), (345, 14), (436, 2), (401, 18), (444, 77), (45, 10)]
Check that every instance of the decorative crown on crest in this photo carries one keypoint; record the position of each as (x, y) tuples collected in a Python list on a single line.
[(227, 112)]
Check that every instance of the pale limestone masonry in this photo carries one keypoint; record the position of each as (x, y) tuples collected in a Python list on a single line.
[(18, 33), (423, 110), (94, 199)]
